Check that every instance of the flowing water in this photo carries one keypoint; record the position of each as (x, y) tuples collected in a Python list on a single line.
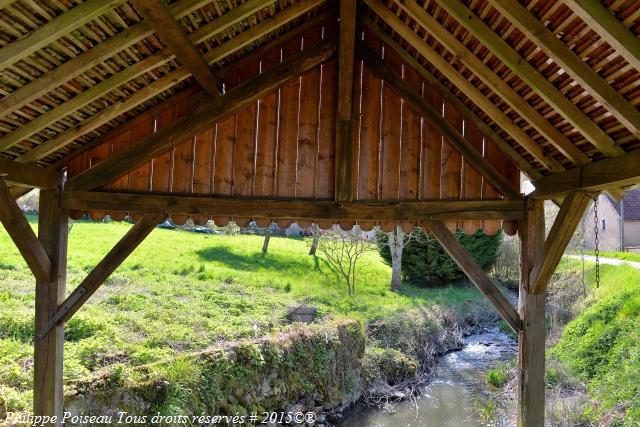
[(459, 379)]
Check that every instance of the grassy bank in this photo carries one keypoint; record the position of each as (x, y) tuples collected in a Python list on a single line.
[(601, 348), (181, 292), (627, 256)]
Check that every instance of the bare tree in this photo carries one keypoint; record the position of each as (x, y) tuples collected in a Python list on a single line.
[(343, 250), (397, 239), (267, 237), (315, 230)]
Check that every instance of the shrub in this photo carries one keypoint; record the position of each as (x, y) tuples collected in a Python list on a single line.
[(425, 262)]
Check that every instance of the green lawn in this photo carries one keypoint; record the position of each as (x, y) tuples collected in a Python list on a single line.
[(627, 256), (181, 292)]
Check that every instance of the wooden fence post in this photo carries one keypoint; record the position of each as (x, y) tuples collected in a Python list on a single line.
[(531, 308), (53, 230)]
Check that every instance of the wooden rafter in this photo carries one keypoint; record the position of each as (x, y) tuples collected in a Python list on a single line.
[(616, 172), (403, 89), (320, 209), (580, 71), (344, 149), (614, 32), (144, 94), (203, 116), (474, 272), (489, 77), (482, 126), (103, 270), (52, 31), (173, 36), (148, 64), (464, 85), (22, 235), (119, 42), (569, 216), (27, 175)]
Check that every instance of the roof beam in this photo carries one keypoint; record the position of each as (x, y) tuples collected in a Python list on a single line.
[(178, 204), (22, 235), (148, 92), (404, 90), (465, 86), (87, 60), (474, 272), (614, 32), (203, 115), (493, 81), (615, 172), (53, 30), (580, 71), (173, 36), (344, 185), (568, 218), (482, 126), (27, 175)]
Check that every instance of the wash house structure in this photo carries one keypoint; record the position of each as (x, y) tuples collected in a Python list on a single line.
[(370, 112)]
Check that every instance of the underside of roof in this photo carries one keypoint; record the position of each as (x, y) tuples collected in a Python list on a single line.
[(549, 85)]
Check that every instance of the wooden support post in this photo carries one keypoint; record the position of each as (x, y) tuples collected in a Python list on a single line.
[(67, 308), (344, 129), (474, 272), (265, 244), (48, 385), (531, 308)]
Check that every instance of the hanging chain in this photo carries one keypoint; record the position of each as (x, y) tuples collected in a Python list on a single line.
[(596, 239)]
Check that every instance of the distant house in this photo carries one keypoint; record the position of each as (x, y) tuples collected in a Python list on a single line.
[(618, 223)]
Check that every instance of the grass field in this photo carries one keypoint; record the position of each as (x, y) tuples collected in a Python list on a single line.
[(181, 292), (627, 256)]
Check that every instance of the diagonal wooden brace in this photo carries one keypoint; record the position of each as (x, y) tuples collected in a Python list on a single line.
[(22, 235), (103, 270), (474, 272)]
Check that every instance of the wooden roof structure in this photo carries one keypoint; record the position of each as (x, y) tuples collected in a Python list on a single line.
[(388, 112)]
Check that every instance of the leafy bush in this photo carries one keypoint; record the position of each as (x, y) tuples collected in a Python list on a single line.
[(425, 262), (498, 377)]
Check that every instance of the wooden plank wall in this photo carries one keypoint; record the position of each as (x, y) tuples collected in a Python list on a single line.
[(283, 146)]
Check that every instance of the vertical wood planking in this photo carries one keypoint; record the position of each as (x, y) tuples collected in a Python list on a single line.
[(491, 153), (203, 167), (141, 176), (288, 135), (472, 180), (451, 162), (390, 139), (182, 173), (431, 150), (119, 143), (74, 167), (95, 156), (162, 165)]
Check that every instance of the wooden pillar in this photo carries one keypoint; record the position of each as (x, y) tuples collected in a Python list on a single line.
[(531, 308), (52, 232)]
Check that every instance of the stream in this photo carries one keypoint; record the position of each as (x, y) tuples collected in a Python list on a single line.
[(457, 381)]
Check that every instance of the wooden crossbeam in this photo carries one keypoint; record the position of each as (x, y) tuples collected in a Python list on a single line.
[(27, 175), (468, 114), (119, 42), (460, 81), (474, 272), (615, 172), (53, 30), (569, 216), (103, 270), (22, 235), (174, 37), (489, 77), (614, 32), (579, 70), (404, 90), (206, 205), (344, 149), (203, 116)]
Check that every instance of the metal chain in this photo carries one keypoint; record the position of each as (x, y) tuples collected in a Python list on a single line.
[(596, 239)]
